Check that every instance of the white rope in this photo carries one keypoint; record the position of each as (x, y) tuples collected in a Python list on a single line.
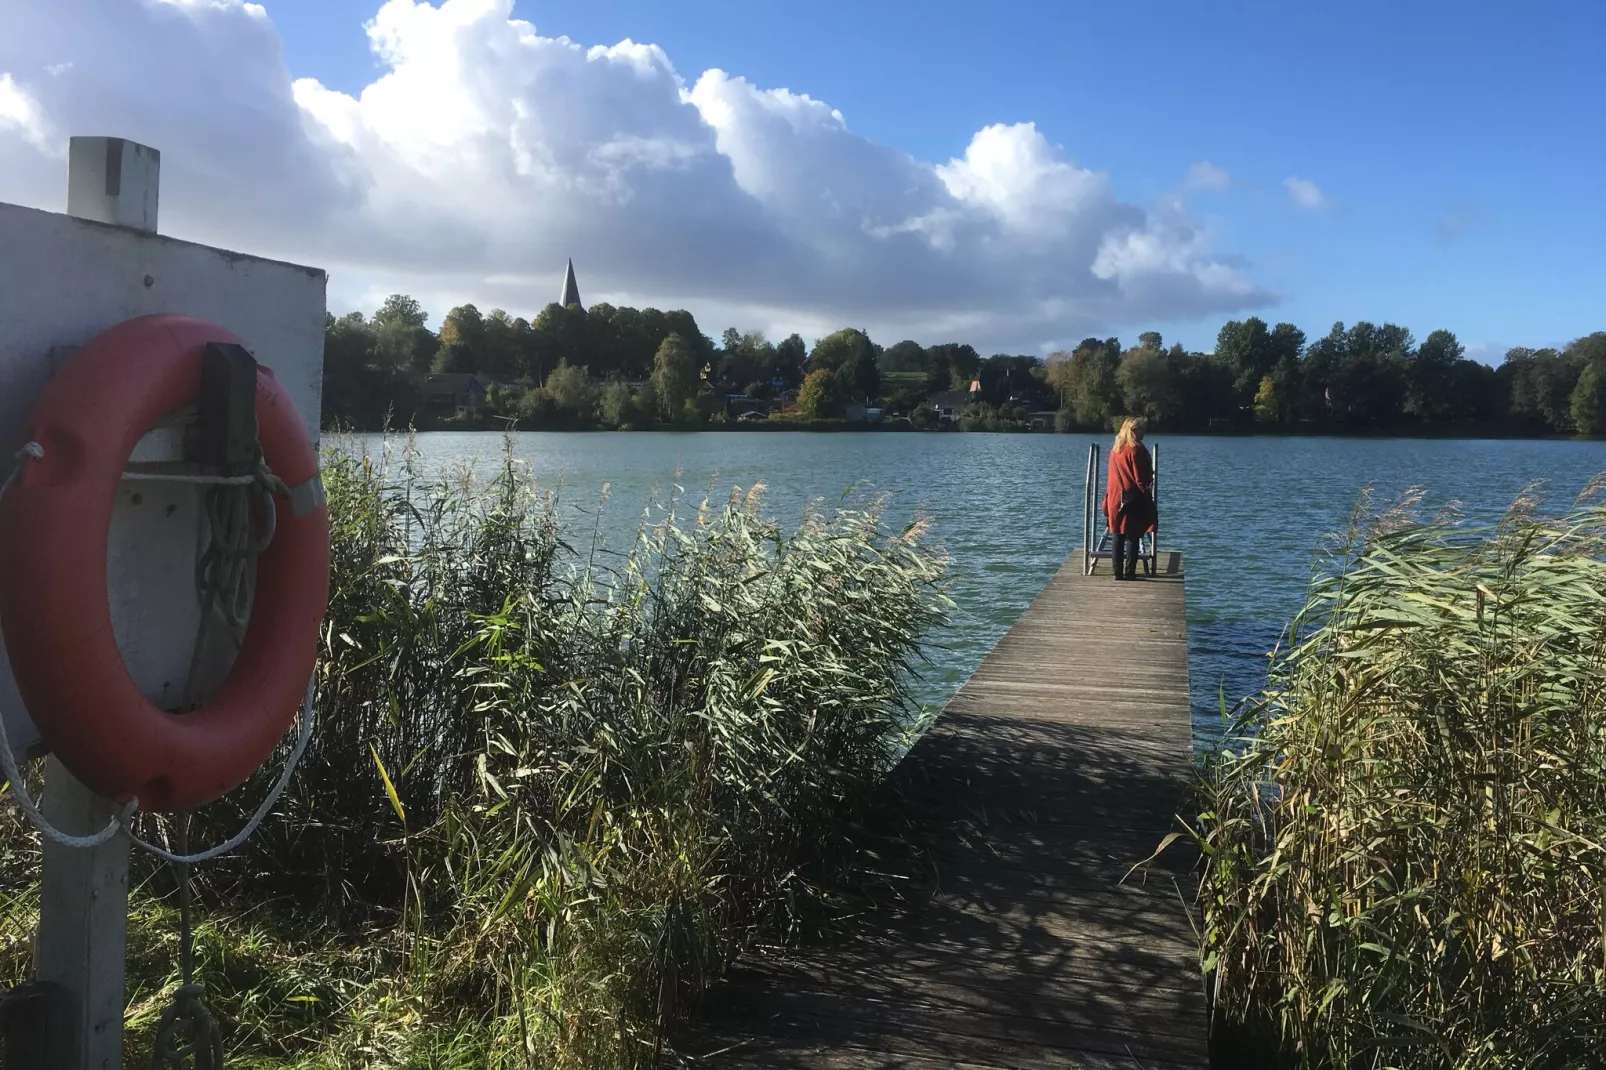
[(263, 475), (222, 566), (308, 718), (190, 477), (270, 484), (38, 820), (124, 818)]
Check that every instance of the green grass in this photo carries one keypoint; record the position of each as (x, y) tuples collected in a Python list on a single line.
[(556, 787), (1406, 838)]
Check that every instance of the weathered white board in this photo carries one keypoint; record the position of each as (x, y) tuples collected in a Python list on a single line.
[(63, 280)]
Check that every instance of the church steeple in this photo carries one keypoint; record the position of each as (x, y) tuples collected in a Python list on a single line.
[(571, 289)]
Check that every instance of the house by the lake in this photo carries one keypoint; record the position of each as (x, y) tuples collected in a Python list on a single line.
[(946, 405), (862, 414), (456, 393)]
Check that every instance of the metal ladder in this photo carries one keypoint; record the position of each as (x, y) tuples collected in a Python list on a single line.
[(1093, 518)]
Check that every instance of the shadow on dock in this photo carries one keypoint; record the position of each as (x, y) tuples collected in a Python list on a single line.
[(995, 919)]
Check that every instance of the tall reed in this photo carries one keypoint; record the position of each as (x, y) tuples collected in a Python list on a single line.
[(418, 563), (555, 786), (1405, 836)]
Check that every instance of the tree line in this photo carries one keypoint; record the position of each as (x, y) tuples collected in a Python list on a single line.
[(610, 366), (551, 369), (1361, 377)]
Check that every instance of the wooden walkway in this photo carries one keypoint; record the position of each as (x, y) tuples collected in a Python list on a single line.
[(1008, 937)]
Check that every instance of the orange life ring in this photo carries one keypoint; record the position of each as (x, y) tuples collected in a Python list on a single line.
[(54, 606)]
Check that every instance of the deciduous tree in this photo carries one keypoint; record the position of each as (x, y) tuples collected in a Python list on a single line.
[(1147, 384), (852, 358), (400, 308), (821, 395), (464, 329), (952, 366), (572, 392), (789, 357), (905, 356), (1089, 382), (454, 357), (1589, 401), (1429, 376), (674, 376), (1541, 383), (401, 341)]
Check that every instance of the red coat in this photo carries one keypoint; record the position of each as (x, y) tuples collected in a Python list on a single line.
[(1130, 469)]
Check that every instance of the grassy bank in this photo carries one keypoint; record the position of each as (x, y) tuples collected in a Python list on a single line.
[(1406, 839), (555, 787)]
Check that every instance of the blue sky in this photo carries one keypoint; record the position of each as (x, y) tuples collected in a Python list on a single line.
[(1460, 148), (1463, 144)]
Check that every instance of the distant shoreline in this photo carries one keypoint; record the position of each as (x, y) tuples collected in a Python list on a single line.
[(1463, 433)]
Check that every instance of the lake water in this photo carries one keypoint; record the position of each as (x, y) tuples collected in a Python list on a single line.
[(1246, 512)]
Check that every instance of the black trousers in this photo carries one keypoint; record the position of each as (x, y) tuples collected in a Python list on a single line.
[(1126, 555)]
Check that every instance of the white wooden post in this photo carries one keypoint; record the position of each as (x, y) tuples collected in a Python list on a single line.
[(83, 921), (112, 180), (83, 894)]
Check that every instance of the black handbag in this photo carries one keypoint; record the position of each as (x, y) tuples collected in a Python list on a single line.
[(1132, 500)]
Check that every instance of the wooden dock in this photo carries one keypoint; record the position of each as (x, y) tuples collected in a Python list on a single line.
[(1011, 934)]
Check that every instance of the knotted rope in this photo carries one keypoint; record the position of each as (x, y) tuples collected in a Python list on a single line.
[(187, 1037)]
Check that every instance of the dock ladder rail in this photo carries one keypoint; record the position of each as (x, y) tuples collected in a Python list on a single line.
[(1093, 517)]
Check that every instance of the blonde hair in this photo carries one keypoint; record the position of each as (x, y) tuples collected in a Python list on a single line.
[(1131, 433)]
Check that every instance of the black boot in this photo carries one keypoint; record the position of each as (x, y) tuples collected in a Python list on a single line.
[(1118, 554)]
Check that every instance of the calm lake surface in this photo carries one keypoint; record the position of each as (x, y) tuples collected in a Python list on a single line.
[(1247, 512)]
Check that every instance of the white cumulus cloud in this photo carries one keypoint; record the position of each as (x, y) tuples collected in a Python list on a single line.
[(22, 115), (483, 154), (1305, 193), (1207, 176)]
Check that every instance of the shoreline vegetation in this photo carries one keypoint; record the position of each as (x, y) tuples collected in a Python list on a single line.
[(1404, 837), (556, 785), (621, 368), (559, 786), (502, 426)]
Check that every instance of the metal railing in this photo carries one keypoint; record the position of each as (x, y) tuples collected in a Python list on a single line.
[(1093, 515)]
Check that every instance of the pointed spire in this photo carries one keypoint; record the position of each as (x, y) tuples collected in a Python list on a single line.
[(571, 289)]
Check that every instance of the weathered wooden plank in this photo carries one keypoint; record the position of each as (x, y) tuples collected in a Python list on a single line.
[(797, 1053), (1141, 939), (1003, 926), (910, 1024), (1071, 889), (1053, 993), (1025, 737), (932, 1034), (1048, 970)]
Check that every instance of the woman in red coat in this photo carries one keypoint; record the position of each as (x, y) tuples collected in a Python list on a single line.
[(1129, 497)]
